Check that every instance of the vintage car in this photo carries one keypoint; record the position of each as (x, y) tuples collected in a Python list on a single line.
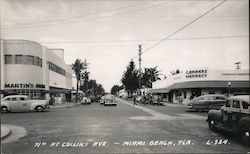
[(22, 103), (85, 100), (234, 116), (207, 102), (109, 100)]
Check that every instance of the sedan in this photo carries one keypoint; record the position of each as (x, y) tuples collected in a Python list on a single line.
[(22, 103), (207, 102)]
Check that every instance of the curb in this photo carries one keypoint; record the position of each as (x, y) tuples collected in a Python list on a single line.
[(5, 131)]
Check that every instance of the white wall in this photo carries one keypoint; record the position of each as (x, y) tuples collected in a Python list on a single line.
[(211, 75)]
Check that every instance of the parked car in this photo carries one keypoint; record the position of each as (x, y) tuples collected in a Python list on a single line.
[(22, 103), (139, 99), (109, 100), (85, 100), (207, 102), (234, 116), (156, 101), (101, 101)]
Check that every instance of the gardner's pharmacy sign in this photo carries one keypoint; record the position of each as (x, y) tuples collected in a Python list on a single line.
[(199, 73), (24, 86)]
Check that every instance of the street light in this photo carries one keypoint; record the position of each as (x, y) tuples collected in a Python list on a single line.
[(229, 85)]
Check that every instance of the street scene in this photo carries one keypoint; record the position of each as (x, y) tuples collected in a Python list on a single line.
[(122, 129), (124, 76)]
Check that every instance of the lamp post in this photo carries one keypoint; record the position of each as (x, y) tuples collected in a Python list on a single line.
[(229, 85)]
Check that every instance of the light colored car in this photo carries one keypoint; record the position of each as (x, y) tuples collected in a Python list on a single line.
[(109, 100), (22, 103), (85, 100)]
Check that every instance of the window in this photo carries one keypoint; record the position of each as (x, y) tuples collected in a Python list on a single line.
[(30, 60), (14, 99), (236, 104), (22, 98), (219, 98), (19, 59), (36, 61), (8, 99), (40, 62), (8, 59), (245, 105), (228, 103)]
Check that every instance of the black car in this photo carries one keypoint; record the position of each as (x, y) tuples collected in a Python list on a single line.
[(234, 116), (207, 102)]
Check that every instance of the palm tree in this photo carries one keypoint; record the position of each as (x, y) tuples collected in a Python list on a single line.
[(150, 75), (77, 68)]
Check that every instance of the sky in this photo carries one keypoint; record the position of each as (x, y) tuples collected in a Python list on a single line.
[(107, 33)]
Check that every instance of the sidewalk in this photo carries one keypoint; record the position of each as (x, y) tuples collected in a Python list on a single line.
[(5, 131), (64, 105)]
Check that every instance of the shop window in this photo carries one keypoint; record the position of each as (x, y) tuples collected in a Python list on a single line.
[(19, 59), (8, 59), (30, 60)]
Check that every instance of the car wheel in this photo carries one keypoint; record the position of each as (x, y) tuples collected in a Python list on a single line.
[(212, 125), (245, 136), (4, 109), (39, 108)]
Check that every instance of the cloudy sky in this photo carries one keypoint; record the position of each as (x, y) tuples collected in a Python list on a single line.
[(107, 32)]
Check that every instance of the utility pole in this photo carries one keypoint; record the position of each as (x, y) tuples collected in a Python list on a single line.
[(140, 68), (85, 67)]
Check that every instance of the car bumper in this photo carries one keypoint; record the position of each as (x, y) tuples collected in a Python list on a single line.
[(189, 106)]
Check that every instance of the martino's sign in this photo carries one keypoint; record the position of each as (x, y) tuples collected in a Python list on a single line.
[(24, 86)]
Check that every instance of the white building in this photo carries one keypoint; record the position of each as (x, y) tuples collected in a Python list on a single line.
[(200, 81), (28, 68)]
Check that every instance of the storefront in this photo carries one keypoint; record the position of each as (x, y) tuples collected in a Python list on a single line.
[(196, 82), (28, 68)]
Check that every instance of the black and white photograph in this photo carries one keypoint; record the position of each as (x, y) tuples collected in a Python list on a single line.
[(124, 76)]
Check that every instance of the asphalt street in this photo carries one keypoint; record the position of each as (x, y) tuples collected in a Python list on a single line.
[(124, 128)]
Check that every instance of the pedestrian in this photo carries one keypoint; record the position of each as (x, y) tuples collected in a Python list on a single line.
[(134, 100), (52, 101)]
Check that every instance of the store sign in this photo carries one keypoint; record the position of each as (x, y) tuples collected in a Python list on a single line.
[(24, 86), (200, 73)]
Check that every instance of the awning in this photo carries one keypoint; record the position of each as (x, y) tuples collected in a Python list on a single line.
[(56, 91), (162, 90), (210, 84)]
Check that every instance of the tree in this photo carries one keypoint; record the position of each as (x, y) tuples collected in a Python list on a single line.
[(130, 78), (116, 89), (149, 76), (77, 67), (85, 82)]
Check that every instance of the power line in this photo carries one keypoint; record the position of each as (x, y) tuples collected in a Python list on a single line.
[(87, 19), (185, 26), (79, 16), (147, 40)]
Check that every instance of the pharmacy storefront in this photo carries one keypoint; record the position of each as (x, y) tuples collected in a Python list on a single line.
[(201, 81)]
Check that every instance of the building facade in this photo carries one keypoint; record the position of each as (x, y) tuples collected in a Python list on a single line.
[(28, 68), (201, 81)]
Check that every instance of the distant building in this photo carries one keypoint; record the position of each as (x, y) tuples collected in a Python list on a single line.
[(200, 81), (28, 68)]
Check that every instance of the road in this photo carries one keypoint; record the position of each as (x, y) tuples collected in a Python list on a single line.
[(125, 128)]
